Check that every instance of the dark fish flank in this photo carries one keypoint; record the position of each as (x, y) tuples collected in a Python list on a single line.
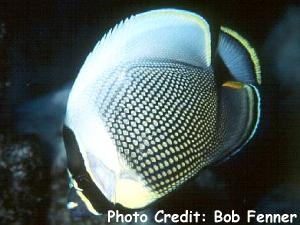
[(163, 118)]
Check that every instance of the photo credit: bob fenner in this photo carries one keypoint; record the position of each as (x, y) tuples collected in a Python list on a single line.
[(195, 217)]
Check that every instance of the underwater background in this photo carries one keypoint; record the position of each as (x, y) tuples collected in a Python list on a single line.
[(43, 44)]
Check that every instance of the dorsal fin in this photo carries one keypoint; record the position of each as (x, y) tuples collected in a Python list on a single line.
[(165, 34), (239, 57)]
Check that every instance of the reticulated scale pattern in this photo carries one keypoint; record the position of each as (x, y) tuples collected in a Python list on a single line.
[(162, 117)]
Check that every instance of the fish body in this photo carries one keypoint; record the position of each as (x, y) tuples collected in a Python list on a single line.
[(150, 108)]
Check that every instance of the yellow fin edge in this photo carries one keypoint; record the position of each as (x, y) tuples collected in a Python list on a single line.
[(233, 84), (199, 20), (249, 48)]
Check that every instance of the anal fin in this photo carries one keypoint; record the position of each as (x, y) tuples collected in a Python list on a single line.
[(240, 113)]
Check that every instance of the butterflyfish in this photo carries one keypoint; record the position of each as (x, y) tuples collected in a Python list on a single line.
[(151, 107)]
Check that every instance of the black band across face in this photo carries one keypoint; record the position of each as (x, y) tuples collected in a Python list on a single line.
[(77, 169), (81, 176)]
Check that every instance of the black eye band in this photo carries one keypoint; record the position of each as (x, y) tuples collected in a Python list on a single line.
[(81, 176)]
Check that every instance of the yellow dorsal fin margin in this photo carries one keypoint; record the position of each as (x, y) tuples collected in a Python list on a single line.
[(249, 49)]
